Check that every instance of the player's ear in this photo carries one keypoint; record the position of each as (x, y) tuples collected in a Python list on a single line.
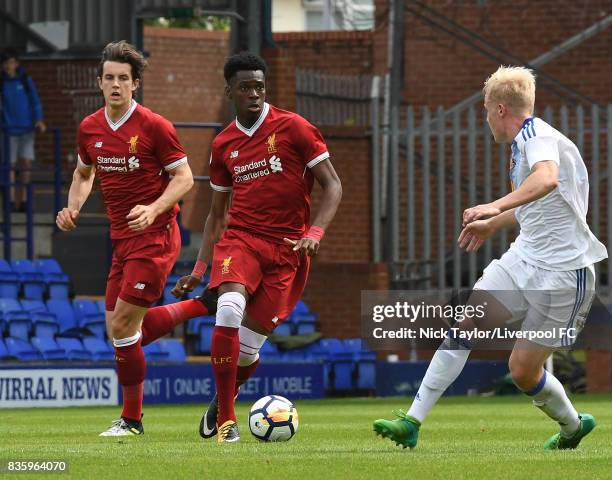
[(135, 84), (99, 82), (228, 91)]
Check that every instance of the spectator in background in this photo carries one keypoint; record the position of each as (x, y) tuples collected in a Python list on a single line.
[(22, 114)]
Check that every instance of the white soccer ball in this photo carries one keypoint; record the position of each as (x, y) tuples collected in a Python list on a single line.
[(273, 419)]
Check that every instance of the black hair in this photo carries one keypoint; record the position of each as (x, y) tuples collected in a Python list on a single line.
[(9, 53), (123, 52), (243, 61)]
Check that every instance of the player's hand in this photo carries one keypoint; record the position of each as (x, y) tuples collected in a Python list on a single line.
[(185, 284), (141, 216), (66, 219), (306, 245), (479, 211), (40, 126), (474, 235)]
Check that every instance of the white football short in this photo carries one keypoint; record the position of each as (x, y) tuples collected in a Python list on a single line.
[(553, 306)]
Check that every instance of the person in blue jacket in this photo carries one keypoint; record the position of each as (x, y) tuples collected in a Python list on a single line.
[(22, 115)]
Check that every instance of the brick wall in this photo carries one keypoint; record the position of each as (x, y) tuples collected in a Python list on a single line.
[(184, 82), (440, 70)]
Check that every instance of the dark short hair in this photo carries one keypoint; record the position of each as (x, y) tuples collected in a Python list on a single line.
[(243, 61), (9, 53), (123, 52)]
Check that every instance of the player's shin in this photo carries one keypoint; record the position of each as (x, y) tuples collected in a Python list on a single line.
[(550, 397), (225, 350), (445, 366), (131, 370), (250, 344), (160, 321)]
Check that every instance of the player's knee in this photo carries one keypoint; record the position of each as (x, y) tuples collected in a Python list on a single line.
[(250, 344), (122, 325), (230, 310), (524, 378)]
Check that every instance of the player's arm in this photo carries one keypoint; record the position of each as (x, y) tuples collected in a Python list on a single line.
[(542, 180), (213, 229), (475, 233), (80, 188), (141, 216), (327, 178)]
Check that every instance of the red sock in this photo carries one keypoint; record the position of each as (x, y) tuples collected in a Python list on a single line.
[(160, 321), (244, 374), (224, 357), (131, 370), (132, 401)]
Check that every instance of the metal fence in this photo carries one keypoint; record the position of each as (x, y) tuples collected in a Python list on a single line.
[(326, 99), (448, 162)]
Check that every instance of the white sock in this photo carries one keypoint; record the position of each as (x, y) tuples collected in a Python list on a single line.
[(444, 368), (550, 397)]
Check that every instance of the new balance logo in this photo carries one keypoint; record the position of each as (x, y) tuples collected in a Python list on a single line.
[(98, 145), (133, 163), (274, 320), (139, 286), (234, 154), (275, 164)]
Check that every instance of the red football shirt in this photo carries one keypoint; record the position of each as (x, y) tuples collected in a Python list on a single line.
[(132, 158), (267, 168)]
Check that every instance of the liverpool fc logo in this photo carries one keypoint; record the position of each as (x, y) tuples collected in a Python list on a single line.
[(271, 141), (133, 142), (226, 265)]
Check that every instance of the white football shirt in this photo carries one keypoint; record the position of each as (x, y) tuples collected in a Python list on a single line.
[(554, 233)]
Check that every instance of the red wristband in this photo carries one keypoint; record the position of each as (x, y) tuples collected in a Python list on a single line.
[(199, 269), (316, 233)]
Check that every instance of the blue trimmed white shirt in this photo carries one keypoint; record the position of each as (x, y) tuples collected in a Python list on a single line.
[(554, 233)]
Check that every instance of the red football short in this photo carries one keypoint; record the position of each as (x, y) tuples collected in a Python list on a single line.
[(141, 266), (273, 274)]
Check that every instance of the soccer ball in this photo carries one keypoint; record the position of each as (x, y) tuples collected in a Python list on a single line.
[(273, 419)]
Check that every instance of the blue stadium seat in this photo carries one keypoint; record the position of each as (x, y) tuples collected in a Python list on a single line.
[(64, 313), (57, 281), (9, 281), (342, 364), (303, 319), (269, 353), (49, 348), (34, 286), (99, 349), (22, 350), (45, 323), (101, 305), (193, 324), (283, 329), (167, 297), (4, 353), (365, 361), (88, 315), (153, 353), (174, 348), (205, 340), (16, 318), (74, 348)]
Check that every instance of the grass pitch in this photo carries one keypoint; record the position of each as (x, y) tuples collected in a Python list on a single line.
[(463, 438)]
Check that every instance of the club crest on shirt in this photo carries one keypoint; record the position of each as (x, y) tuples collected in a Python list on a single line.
[(133, 143), (271, 141), (225, 266)]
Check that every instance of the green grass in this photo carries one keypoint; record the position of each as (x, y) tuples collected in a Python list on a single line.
[(463, 438)]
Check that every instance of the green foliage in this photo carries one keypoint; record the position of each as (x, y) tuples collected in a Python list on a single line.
[(205, 22)]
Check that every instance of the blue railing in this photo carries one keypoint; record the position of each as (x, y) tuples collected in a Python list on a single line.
[(7, 185)]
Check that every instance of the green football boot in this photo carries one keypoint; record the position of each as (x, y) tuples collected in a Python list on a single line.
[(403, 431), (559, 442)]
